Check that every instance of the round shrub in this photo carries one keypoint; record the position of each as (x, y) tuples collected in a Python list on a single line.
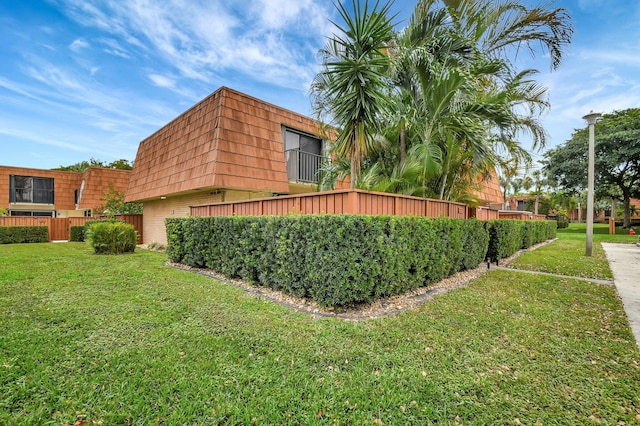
[(112, 237)]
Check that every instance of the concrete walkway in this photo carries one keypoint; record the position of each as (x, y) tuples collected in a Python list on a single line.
[(624, 260)]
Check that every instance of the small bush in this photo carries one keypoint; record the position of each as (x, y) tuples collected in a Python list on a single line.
[(111, 237), (23, 234), (77, 233)]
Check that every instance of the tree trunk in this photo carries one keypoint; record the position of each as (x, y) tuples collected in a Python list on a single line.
[(443, 185), (613, 208), (355, 160), (353, 171), (403, 143), (627, 211), (579, 213), (535, 206)]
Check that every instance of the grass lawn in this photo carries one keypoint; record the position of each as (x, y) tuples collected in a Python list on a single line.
[(566, 255), (125, 340)]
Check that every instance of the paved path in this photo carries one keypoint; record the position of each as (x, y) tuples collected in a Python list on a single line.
[(624, 260)]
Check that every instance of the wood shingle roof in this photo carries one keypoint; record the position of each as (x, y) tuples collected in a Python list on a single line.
[(228, 140)]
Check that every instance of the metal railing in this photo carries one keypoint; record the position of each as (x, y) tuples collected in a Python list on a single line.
[(302, 166), (35, 196)]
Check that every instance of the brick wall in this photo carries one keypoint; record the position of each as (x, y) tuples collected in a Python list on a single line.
[(156, 211), (65, 183)]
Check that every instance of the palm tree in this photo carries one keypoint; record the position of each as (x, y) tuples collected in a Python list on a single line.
[(351, 90), (456, 92), (453, 62)]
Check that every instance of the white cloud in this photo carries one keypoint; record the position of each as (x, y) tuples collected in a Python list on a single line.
[(162, 81), (274, 41), (78, 45), (112, 47)]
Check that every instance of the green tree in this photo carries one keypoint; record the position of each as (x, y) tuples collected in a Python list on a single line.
[(453, 62), (114, 204), (350, 91), (81, 166), (454, 88), (617, 159)]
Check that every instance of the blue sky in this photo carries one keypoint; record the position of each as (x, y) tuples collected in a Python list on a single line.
[(85, 79)]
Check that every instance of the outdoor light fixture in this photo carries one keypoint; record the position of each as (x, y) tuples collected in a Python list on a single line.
[(591, 118)]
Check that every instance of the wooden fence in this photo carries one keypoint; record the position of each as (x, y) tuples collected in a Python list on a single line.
[(483, 213), (60, 228), (520, 215), (350, 201)]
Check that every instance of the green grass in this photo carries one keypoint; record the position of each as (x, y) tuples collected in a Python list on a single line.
[(566, 255), (126, 340)]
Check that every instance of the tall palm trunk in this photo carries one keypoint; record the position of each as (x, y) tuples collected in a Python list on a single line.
[(403, 142)]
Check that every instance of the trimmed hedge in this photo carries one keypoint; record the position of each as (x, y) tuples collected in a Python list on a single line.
[(111, 237), (77, 233), (506, 237), (334, 259), (345, 259), (23, 234)]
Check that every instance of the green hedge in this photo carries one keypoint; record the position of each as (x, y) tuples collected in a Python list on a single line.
[(334, 259), (506, 237), (23, 234), (345, 259), (77, 233), (111, 237)]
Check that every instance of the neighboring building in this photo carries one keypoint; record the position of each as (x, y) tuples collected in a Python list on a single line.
[(229, 146), (55, 193), (490, 193), (518, 202)]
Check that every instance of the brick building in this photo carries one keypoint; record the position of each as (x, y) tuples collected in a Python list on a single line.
[(229, 146), (55, 193)]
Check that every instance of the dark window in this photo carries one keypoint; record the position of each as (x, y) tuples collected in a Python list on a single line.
[(29, 189), (520, 205), (303, 154), (36, 213)]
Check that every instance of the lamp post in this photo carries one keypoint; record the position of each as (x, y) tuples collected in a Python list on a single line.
[(591, 118)]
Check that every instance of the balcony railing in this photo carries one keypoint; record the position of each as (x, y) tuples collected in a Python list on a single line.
[(34, 196), (303, 166)]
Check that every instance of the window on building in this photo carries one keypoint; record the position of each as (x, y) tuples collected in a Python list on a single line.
[(34, 213), (30, 189), (303, 154)]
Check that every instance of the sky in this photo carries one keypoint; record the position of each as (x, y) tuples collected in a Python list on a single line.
[(82, 79)]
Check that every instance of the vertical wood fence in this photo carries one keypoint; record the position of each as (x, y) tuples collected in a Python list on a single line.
[(60, 228), (520, 215), (350, 201)]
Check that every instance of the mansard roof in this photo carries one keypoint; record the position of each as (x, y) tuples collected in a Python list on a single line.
[(228, 140)]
